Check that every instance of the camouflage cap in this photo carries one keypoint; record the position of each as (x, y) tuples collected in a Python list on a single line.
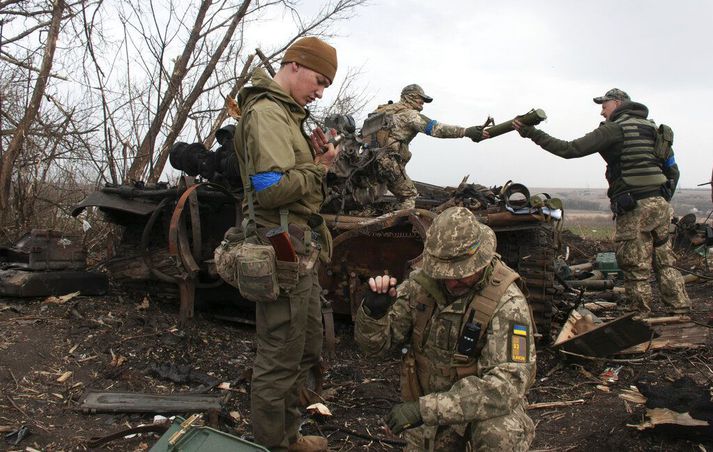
[(612, 94), (417, 90), (457, 245)]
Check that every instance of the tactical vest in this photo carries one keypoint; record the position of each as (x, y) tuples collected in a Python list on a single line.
[(421, 374), (383, 136), (637, 165)]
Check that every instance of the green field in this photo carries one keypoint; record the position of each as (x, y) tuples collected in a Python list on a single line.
[(589, 225)]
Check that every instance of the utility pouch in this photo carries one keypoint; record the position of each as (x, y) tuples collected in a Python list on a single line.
[(250, 267), (623, 203), (257, 272), (287, 274), (410, 386), (224, 255), (307, 262)]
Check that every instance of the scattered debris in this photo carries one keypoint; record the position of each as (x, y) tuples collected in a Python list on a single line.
[(18, 435), (675, 332), (61, 300), (537, 406), (582, 335), (45, 262), (182, 374), (318, 408), (611, 374), (64, 377), (682, 403)]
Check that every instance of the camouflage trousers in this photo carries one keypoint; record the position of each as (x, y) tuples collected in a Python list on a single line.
[(289, 344), (642, 237), (513, 432), (397, 181)]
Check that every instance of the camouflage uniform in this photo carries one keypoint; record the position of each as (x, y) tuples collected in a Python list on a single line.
[(466, 403), (407, 123), (288, 330), (626, 142), (637, 233)]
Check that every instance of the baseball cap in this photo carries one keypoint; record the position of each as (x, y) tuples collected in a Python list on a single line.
[(417, 90), (612, 94)]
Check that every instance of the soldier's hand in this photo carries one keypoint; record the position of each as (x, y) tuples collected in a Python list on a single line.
[(475, 133), (325, 151), (380, 296), (404, 416), (521, 128)]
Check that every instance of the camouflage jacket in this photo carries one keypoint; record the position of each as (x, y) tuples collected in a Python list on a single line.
[(273, 134), (408, 122), (607, 140), (499, 384)]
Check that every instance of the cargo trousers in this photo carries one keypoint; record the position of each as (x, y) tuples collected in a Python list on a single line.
[(512, 432), (642, 237), (397, 181), (289, 344)]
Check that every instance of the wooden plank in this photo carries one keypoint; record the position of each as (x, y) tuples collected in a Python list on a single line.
[(131, 402), (674, 336)]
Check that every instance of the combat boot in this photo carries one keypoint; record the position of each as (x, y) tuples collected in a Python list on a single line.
[(685, 310), (310, 443)]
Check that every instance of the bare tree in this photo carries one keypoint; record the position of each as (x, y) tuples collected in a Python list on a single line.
[(126, 80), (15, 147)]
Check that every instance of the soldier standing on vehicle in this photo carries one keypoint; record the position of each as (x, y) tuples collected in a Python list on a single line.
[(404, 123), (468, 332), (286, 170), (641, 184)]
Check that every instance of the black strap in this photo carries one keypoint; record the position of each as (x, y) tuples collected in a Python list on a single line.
[(97, 441), (646, 194)]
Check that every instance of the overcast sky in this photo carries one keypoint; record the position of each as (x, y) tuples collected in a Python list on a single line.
[(502, 58)]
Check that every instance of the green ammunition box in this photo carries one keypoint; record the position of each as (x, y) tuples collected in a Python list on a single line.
[(199, 438), (606, 263)]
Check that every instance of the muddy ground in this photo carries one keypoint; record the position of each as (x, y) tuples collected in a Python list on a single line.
[(116, 343)]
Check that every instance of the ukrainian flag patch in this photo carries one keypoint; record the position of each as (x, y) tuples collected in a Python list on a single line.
[(519, 346)]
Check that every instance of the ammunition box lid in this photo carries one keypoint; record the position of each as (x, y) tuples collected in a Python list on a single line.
[(200, 438)]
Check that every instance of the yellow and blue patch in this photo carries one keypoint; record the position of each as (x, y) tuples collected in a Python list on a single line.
[(473, 248), (519, 344)]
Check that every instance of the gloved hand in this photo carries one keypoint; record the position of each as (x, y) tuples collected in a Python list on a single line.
[(475, 133), (524, 130), (403, 416), (376, 305)]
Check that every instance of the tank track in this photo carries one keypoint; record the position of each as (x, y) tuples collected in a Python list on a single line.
[(531, 253)]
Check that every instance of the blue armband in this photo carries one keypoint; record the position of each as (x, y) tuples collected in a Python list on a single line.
[(429, 127), (669, 162), (261, 181)]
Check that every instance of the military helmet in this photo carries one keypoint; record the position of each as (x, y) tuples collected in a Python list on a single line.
[(414, 89), (457, 245)]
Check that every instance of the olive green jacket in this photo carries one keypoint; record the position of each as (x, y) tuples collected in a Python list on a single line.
[(607, 140), (272, 132)]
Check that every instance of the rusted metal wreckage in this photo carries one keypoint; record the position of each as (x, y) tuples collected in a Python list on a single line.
[(47, 262), (170, 233)]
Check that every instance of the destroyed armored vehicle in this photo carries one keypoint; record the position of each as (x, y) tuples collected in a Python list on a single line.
[(170, 233)]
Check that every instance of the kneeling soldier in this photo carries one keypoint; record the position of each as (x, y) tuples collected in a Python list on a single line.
[(469, 355)]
